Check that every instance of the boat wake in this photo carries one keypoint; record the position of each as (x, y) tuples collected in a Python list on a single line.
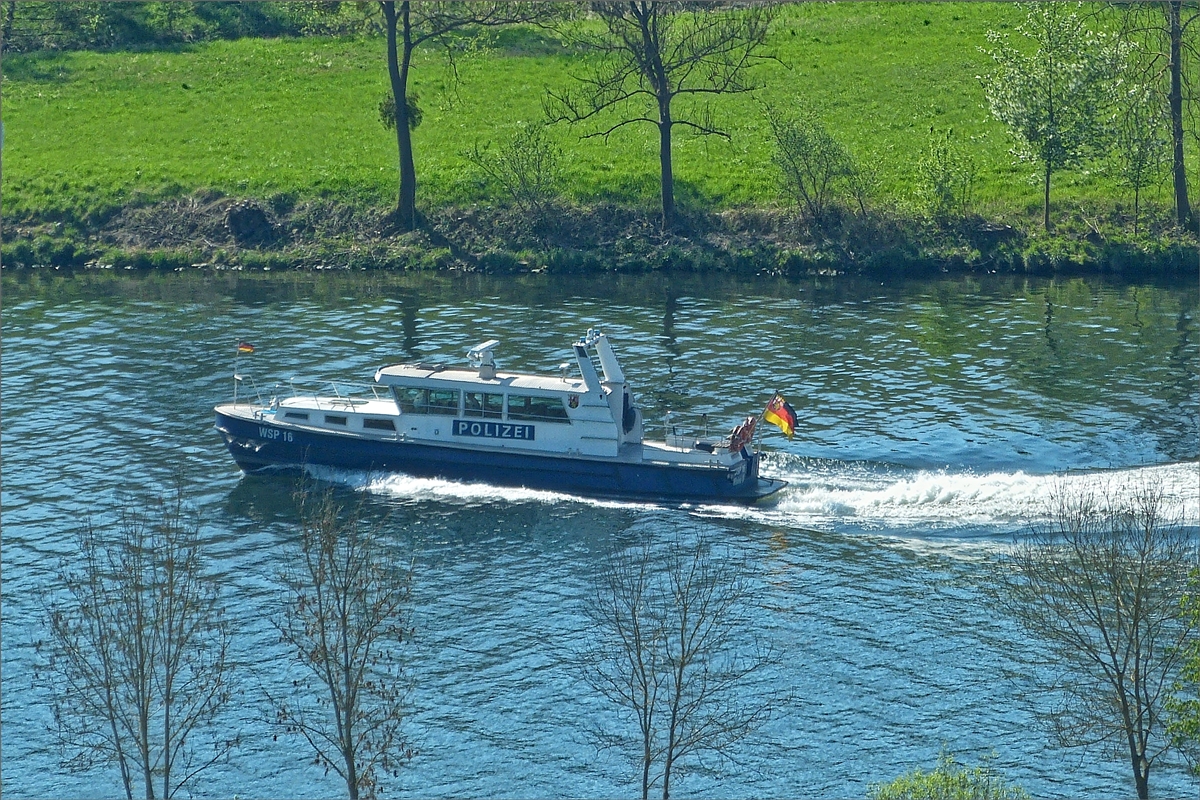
[(407, 488), (840, 495), (849, 496)]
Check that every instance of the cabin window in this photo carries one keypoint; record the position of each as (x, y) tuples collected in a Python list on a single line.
[(335, 419), (410, 399), (415, 400), (296, 415), (482, 404), (443, 401), (535, 407), (378, 424)]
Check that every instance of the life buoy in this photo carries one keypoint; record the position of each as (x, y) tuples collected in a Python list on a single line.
[(742, 434)]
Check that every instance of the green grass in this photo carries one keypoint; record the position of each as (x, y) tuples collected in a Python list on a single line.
[(88, 132)]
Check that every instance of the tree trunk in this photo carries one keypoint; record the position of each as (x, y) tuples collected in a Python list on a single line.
[(349, 707), (1137, 749), (1046, 199), (653, 69), (673, 728), (406, 203), (351, 775), (668, 175), (1137, 197), (646, 761), (1141, 778), (1183, 209), (142, 678)]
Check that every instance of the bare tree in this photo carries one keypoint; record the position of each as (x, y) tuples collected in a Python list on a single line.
[(1165, 59), (138, 652), (652, 53), (346, 617), (412, 25), (668, 651), (1101, 584), (813, 166), (527, 166)]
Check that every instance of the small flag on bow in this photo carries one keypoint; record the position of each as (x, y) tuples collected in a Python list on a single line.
[(780, 413), (245, 347)]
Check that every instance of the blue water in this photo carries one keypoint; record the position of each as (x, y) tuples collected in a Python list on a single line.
[(936, 418)]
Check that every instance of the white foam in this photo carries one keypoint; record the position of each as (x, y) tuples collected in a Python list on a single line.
[(942, 499), (407, 487), (830, 495)]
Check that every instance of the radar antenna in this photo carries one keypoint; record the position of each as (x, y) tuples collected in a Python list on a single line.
[(481, 357)]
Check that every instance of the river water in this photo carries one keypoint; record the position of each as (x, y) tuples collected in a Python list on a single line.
[(934, 420)]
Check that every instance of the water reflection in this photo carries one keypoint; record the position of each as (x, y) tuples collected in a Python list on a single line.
[(1048, 328), (410, 305), (1179, 433)]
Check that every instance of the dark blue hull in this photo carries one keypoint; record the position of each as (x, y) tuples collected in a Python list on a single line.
[(257, 445)]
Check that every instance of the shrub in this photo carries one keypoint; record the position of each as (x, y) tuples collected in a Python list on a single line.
[(812, 164), (18, 253), (58, 251), (387, 111), (527, 166), (949, 781), (945, 178)]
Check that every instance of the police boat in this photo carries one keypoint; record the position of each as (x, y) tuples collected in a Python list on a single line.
[(579, 432)]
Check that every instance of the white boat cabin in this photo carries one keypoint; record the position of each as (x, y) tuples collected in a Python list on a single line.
[(590, 412)]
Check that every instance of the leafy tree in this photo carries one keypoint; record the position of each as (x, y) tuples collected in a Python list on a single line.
[(950, 780), (1101, 584), (1183, 707), (1052, 99), (138, 652), (1140, 143), (175, 20), (412, 25), (669, 652), (650, 54), (345, 620)]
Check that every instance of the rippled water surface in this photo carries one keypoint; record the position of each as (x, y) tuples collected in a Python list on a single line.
[(935, 418)]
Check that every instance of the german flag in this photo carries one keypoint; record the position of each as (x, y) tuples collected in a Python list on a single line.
[(780, 413), (245, 347)]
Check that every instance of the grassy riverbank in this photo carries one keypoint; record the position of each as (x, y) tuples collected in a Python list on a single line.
[(136, 157)]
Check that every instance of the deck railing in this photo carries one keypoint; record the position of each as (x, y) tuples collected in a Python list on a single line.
[(686, 430), (339, 396)]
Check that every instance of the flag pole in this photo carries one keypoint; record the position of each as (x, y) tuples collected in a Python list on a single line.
[(757, 429), (242, 347)]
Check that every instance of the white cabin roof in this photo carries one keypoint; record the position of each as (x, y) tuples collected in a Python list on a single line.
[(468, 379)]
